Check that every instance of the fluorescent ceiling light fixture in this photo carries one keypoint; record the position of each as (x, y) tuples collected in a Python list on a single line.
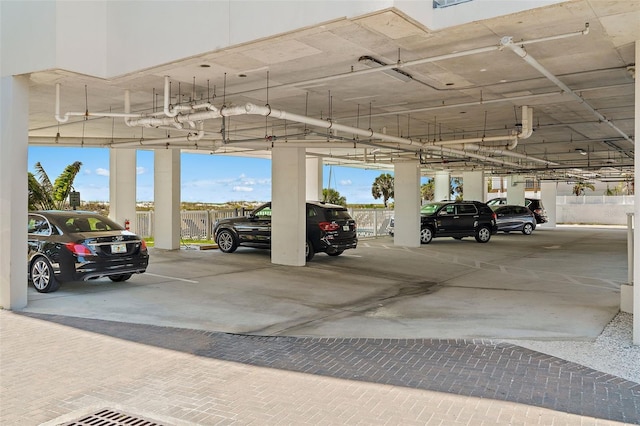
[(396, 73), (439, 4)]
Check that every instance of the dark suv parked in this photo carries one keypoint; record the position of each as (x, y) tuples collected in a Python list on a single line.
[(457, 219), (330, 229), (533, 204)]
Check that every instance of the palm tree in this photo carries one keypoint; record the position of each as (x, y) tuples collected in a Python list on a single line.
[(427, 190), (580, 187), (332, 196), (383, 187), (43, 195)]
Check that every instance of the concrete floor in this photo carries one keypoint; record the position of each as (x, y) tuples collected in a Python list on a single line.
[(560, 283)]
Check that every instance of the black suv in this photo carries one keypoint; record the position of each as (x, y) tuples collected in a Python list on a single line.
[(533, 204), (457, 219), (330, 229)]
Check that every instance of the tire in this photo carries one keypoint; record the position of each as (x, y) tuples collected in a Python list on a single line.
[(527, 229), (426, 235), (119, 278), (335, 253), (42, 276), (309, 252), (227, 241), (483, 234)]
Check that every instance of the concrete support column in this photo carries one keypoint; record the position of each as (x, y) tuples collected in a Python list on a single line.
[(166, 198), (288, 206), (474, 186), (407, 203), (636, 209), (515, 190), (548, 195), (122, 186), (314, 178), (14, 144), (442, 185)]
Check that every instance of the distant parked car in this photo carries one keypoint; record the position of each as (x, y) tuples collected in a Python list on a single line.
[(533, 204), (330, 229), (515, 218), (80, 246), (457, 219)]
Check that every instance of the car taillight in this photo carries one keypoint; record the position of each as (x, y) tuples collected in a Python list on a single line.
[(494, 216), (329, 226), (78, 249), (143, 245)]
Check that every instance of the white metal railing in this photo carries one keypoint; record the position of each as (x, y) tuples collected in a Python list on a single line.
[(198, 224)]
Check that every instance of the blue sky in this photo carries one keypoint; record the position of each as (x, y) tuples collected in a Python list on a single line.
[(205, 177)]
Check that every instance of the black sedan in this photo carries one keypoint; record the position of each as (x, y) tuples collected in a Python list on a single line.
[(515, 218), (80, 246)]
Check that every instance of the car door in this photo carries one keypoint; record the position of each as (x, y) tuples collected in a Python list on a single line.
[(446, 220), (465, 219), (506, 218), (255, 229)]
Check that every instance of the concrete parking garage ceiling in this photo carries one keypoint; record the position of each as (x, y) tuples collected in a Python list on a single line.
[(450, 85)]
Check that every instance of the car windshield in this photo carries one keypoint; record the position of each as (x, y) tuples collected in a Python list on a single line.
[(430, 208)]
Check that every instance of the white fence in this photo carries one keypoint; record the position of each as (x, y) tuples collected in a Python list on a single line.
[(198, 224), (585, 209)]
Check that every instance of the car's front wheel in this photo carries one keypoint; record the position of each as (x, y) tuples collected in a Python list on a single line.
[(483, 234), (119, 278), (42, 276), (426, 235), (226, 241), (527, 229)]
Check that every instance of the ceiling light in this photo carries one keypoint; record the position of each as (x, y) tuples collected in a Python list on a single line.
[(581, 151), (396, 73)]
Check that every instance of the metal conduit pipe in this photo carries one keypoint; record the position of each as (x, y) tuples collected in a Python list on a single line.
[(407, 64), (191, 137), (508, 42)]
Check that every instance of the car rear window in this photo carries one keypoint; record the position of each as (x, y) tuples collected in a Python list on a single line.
[(467, 209), (332, 214), (89, 224)]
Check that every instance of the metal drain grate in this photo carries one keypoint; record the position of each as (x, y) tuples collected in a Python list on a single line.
[(109, 417)]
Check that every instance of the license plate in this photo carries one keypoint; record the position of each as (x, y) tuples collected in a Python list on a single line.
[(118, 248), (345, 227)]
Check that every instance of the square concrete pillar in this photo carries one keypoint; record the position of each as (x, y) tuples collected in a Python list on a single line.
[(288, 206), (406, 228), (166, 198), (14, 144), (314, 179), (122, 186), (442, 185), (515, 190), (548, 195), (474, 186)]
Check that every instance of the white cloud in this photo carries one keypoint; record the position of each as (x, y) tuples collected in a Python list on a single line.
[(102, 172), (140, 170), (242, 189), (345, 182)]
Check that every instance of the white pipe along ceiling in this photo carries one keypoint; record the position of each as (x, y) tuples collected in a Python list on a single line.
[(488, 150)]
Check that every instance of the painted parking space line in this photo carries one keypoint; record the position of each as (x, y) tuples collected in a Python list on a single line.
[(172, 278)]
